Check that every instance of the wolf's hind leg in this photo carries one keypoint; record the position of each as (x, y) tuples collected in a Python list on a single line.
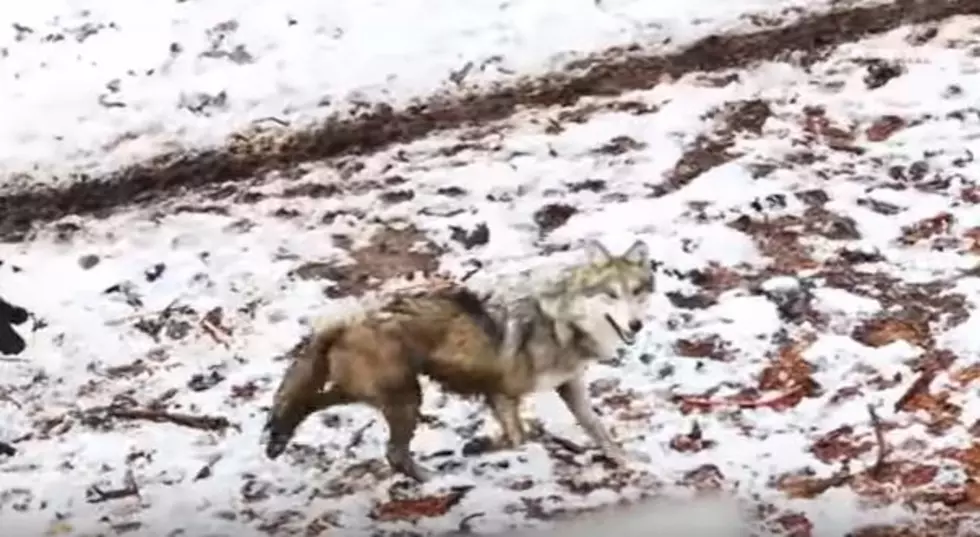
[(575, 397), (402, 416)]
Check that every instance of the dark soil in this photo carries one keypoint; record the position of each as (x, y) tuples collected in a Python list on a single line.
[(605, 74)]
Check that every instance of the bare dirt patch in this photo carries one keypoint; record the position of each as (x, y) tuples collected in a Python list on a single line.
[(712, 150), (607, 73)]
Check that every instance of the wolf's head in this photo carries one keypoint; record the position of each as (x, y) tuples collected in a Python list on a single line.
[(608, 296)]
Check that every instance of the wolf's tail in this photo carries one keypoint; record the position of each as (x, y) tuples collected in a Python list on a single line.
[(303, 379)]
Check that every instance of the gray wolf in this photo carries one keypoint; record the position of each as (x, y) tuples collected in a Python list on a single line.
[(501, 348)]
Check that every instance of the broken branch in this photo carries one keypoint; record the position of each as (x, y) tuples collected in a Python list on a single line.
[(880, 439), (358, 438), (144, 315), (741, 402), (811, 488), (918, 387), (271, 119), (206, 423), (470, 273), (465, 526), (8, 398), (215, 333), (96, 495), (563, 443)]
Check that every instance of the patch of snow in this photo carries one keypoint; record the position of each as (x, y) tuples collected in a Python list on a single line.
[(164, 75), (89, 352)]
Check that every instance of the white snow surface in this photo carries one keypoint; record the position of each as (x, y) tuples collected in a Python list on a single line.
[(88, 86), (88, 352)]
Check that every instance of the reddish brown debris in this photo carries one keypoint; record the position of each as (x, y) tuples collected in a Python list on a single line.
[(884, 128), (940, 224), (416, 508)]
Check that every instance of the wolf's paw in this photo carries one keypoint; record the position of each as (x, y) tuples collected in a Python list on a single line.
[(535, 431), (404, 464), (626, 459), (418, 473)]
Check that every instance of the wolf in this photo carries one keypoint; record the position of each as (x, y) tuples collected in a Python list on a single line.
[(500, 347)]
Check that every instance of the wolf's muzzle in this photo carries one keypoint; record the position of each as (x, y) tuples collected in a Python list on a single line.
[(276, 439), (275, 447), (627, 338)]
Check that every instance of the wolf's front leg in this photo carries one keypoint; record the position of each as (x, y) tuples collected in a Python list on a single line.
[(576, 398)]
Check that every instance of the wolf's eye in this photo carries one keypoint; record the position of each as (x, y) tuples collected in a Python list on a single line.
[(612, 295), (645, 287)]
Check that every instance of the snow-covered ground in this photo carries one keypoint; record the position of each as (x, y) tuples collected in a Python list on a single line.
[(89, 86), (818, 234)]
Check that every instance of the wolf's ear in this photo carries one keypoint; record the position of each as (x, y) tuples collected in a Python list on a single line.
[(638, 253), (595, 252)]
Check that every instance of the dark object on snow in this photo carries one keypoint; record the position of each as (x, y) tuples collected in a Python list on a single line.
[(10, 341), (7, 449)]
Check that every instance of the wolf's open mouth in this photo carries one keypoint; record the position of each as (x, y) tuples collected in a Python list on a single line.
[(628, 339)]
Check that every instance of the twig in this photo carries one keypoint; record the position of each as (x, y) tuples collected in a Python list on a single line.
[(464, 525), (205, 471), (458, 76), (839, 479), (215, 333), (144, 315), (97, 495), (7, 397), (918, 387), (271, 119), (741, 402), (469, 274), (358, 438), (206, 423), (563, 443), (160, 401), (880, 438)]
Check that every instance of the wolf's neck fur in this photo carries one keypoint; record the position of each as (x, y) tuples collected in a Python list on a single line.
[(531, 303), (525, 314), (570, 336), (526, 326)]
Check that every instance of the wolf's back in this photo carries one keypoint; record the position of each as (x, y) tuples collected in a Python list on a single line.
[(428, 316)]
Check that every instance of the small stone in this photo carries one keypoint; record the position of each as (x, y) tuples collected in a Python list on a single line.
[(88, 261)]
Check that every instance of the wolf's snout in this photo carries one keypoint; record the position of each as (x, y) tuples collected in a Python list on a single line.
[(635, 325), (276, 444), (274, 448), (276, 435)]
